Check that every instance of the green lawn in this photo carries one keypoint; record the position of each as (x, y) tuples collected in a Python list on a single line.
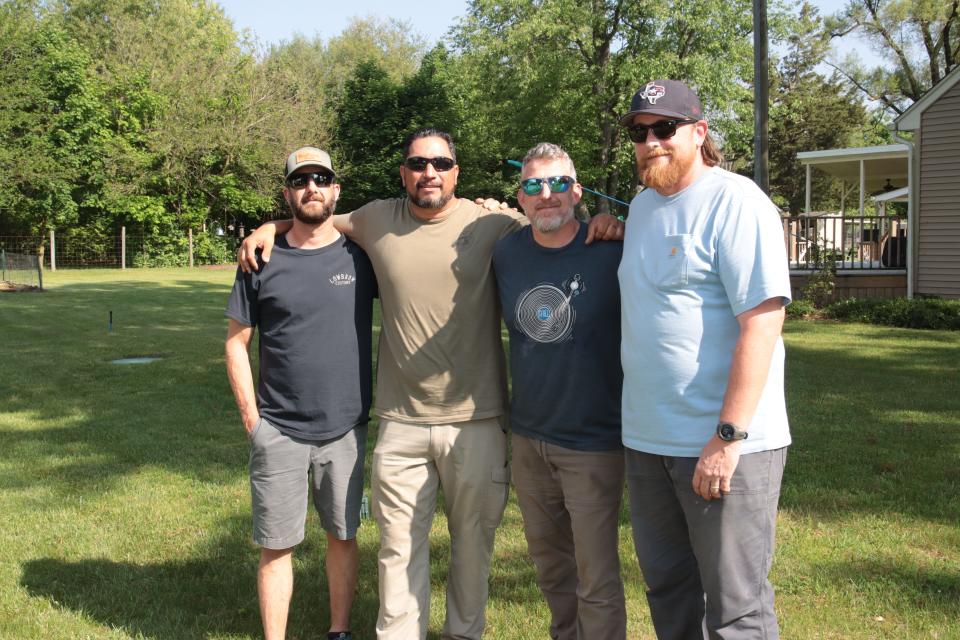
[(125, 505)]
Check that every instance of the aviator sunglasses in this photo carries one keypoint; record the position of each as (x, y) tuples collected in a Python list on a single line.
[(300, 180), (663, 130), (419, 163), (557, 184)]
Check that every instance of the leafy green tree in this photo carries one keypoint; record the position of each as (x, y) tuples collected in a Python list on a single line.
[(374, 116), (367, 136), (811, 112), (564, 70), (918, 42), (53, 127)]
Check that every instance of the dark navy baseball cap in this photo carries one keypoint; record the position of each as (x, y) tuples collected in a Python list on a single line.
[(670, 98)]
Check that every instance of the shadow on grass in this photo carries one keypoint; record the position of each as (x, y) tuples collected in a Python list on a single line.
[(875, 418), (197, 598), (75, 423), (935, 591)]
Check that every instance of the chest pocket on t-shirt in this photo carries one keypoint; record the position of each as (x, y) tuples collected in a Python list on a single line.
[(672, 261)]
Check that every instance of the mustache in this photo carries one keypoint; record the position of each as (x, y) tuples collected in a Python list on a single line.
[(659, 153)]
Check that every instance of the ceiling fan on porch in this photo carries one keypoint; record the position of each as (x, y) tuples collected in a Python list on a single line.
[(887, 187)]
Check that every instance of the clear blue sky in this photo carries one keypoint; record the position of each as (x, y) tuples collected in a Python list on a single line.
[(275, 20)]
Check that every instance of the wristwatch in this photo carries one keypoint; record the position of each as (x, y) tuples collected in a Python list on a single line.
[(728, 432)]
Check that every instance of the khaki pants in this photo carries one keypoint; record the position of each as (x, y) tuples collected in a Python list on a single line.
[(570, 501), (410, 462)]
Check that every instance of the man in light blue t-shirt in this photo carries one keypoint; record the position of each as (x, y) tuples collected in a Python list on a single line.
[(704, 281)]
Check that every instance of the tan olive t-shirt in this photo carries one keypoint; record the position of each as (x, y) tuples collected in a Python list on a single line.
[(441, 359)]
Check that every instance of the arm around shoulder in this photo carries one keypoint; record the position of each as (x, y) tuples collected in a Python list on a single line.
[(261, 238)]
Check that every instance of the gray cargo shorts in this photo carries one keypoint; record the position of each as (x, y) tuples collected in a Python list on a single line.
[(283, 468)]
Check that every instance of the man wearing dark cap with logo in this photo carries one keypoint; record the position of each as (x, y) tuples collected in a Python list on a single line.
[(307, 421), (703, 282)]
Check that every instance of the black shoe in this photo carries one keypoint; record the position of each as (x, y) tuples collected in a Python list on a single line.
[(339, 635)]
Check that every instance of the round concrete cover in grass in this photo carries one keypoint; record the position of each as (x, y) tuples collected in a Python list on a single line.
[(137, 360)]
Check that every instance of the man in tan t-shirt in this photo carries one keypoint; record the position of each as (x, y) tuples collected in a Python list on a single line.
[(441, 385)]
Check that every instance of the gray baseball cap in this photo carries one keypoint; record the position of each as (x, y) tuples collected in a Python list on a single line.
[(308, 157), (670, 98)]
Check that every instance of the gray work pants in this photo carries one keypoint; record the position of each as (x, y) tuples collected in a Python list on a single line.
[(706, 563)]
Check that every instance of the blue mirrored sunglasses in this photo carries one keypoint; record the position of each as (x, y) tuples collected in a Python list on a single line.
[(556, 184)]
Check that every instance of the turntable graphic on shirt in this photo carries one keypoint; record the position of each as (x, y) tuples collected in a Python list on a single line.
[(544, 313)]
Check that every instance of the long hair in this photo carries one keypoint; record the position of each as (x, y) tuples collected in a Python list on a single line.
[(711, 154)]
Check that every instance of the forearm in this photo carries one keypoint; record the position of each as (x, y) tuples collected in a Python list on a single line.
[(343, 222), (275, 227), (759, 333), (240, 375)]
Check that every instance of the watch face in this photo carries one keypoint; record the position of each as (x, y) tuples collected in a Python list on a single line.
[(730, 432)]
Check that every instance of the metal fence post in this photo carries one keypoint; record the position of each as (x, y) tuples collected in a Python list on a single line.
[(123, 247), (53, 250), (3, 259), (190, 239)]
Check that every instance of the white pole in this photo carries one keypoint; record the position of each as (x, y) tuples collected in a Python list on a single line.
[(863, 187), (123, 247), (53, 250)]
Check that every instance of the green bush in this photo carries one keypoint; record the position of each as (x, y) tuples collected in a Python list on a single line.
[(801, 308), (172, 250), (820, 287), (918, 313)]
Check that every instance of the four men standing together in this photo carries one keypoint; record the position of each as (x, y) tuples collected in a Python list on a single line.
[(703, 278)]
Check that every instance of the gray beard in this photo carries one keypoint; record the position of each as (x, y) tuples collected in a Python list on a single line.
[(546, 225), (433, 203)]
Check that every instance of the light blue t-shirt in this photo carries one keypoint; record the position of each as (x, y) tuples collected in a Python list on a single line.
[(691, 263)]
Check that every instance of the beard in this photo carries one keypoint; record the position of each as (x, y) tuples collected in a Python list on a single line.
[(312, 217), (660, 175), (548, 223), (435, 202)]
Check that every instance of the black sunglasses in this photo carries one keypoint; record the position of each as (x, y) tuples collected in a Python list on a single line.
[(557, 184), (300, 180), (419, 163), (663, 130)]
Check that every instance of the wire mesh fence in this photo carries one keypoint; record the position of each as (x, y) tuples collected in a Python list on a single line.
[(83, 248), (19, 272)]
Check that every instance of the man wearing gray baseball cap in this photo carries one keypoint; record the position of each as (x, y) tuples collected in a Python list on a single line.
[(307, 421), (703, 284)]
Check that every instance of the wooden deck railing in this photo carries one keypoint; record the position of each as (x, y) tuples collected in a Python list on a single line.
[(854, 243)]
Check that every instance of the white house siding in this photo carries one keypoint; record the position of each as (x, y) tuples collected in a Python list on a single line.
[(938, 247)]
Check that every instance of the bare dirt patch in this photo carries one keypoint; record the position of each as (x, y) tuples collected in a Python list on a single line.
[(16, 288)]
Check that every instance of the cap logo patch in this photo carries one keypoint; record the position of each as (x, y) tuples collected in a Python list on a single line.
[(306, 154), (653, 92)]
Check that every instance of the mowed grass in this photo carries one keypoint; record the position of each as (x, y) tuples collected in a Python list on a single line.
[(124, 503)]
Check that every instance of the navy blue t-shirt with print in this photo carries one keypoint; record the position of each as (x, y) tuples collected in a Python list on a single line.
[(562, 309), (314, 311)]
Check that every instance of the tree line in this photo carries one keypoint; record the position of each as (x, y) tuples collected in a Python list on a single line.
[(161, 117)]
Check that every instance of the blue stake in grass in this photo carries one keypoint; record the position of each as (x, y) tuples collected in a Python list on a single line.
[(110, 322), (519, 165)]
